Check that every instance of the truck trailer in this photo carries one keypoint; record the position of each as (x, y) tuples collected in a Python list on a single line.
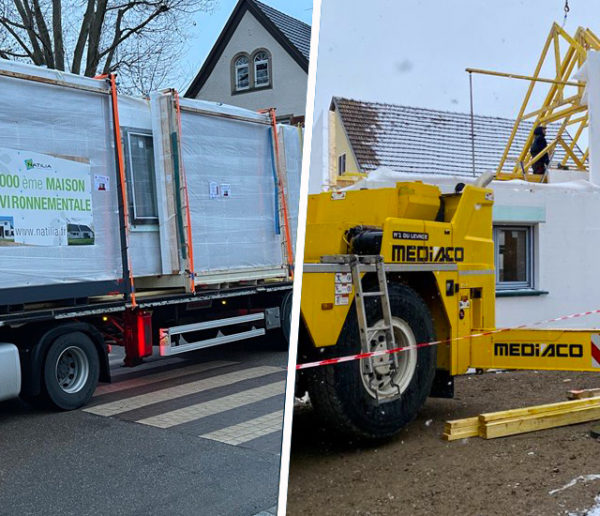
[(162, 225)]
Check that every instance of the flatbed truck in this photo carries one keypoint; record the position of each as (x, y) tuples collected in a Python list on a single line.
[(99, 235), (57, 351)]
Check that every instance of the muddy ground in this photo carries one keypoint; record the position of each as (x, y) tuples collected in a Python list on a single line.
[(419, 473)]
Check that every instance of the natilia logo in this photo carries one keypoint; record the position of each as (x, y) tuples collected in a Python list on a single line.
[(30, 164)]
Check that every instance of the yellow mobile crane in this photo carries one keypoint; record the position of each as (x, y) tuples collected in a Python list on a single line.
[(404, 267), (407, 266)]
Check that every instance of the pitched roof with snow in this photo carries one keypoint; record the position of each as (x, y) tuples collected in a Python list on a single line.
[(418, 140), (292, 34)]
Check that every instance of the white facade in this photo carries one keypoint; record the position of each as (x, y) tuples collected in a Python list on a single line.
[(287, 92), (566, 238)]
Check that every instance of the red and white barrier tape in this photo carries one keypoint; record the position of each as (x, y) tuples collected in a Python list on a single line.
[(358, 356)]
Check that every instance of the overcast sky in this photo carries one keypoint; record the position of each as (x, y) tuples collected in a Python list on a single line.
[(415, 53), (209, 26)]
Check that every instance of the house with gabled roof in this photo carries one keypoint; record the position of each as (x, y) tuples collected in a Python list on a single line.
[(259, 61), (365, 136)]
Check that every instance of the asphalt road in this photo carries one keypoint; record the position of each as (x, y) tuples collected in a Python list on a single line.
[(200, 434)]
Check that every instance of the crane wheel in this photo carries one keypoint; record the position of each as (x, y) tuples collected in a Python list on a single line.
[(374, 401)]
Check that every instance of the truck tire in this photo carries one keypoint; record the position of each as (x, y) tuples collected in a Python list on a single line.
[(71, 370), (286, 317), (345, 395), (278, 339)]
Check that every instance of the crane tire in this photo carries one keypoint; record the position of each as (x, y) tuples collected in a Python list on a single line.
[(341, 394)]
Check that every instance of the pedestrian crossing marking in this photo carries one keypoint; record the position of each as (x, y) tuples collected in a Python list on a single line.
[(248, 430), (178, 391), (158, 377), (216, 406)]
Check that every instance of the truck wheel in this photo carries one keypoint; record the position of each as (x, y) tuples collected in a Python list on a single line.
[(286, 317), (279, 338), (376, 403), (71, 371)]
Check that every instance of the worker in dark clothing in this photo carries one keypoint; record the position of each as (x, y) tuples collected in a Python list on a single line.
[(538, 145)]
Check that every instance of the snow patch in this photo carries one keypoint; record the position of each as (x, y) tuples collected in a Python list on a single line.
[(385, 177), (580, 478), (592, 511)]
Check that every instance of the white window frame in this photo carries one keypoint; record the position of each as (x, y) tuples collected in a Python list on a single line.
[(135, 219), (237, 67), (255, 64), (529, 283)]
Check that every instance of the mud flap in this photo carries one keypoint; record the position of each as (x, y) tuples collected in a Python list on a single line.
[(443, 385)]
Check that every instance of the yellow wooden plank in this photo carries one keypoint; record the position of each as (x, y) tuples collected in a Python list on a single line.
[(557, 53), (455, 424), (536, 422), (538, 409), (553, 117), (570, 153), (461, 428), (460, 434), (524, 108), (583, 393)]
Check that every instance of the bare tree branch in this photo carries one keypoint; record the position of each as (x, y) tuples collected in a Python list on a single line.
[(94, 35), (82, 38), (7, 54), (43, 32), (122, 36), (20, 42), (139, 39), (27, 19), (57, 33)]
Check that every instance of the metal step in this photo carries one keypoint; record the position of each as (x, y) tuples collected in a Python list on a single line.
[(367, 332), (378, 328), (168, 347)]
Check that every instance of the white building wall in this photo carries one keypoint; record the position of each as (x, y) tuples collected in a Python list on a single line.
[(567, 247), (288, 91), (319, 162)]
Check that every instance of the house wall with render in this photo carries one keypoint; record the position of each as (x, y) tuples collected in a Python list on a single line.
[(288, 83), (338, 145)]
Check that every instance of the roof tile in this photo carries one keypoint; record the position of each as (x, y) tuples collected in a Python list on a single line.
[(296, 31)]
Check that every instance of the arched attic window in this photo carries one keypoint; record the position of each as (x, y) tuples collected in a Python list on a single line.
[(262, 68), (241, 72)]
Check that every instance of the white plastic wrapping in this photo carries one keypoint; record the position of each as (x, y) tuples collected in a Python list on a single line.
[(590, 73), (72, 128), (227, 155), (292, 146), (144, 243), (231, 189)]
